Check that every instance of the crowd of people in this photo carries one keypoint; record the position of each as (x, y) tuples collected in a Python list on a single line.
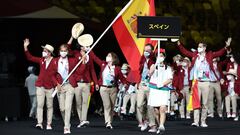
[(162, 87)]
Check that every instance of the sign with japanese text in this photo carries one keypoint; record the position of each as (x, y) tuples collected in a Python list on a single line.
[(158, 27)]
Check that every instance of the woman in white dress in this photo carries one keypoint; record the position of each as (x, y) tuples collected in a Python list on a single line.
[(160, 81)]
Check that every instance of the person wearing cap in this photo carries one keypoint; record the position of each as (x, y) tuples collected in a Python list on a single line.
[(66, 90), (177, 59), (130, 93), (82, 92), (110, 74), (160, 83), (184, 86), (30, 84), (234, 68), (146, 61), (44, 84), (232, 94), (202, 70)]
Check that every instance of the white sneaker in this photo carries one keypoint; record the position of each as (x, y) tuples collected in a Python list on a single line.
[(188, 117), (109, 126), (172, 113), (236, 118), (39, 126), (204, 125), (161, 130), (49, 127), (220, 115), (144, 127), (211, 115), (229, 115), (234, 115), (195, 124), (79, 125), (139, 125), (66, 131), (182, 116), (152, 130), (83, 124)]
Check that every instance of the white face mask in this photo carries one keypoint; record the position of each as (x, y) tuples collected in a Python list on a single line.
[(184, 64), (232, 59), (177, 61), (44, 54), (159, 60), (229, 77), (63, 54), (124, 71), (146, 54), (200, 49), (108, 59)]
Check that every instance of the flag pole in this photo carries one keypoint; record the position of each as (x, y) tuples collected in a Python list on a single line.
[(115, 19)]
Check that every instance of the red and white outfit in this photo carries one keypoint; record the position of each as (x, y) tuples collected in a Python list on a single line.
[(82, 92), (44, 86), (202, 70), (109, 77), (62, 69)]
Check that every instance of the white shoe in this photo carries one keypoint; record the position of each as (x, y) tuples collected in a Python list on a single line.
[(66, 131), (211, 115), (49, 127), (79, 125), (152, 130), (229, 115), (235, 119), (182, 116), (188, 117), (195, 124), (204, 125), (39, 126), (83, 124), (234, 115), (220, 115), (161, 130), (144, 127), (109, 126), (139, 125), (172, 113)]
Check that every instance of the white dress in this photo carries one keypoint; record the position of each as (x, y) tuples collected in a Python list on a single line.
[(159, 94)]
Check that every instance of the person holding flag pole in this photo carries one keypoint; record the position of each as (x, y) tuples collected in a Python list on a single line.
[(82, 92), (66, 91), (160, 76), (95, 43)]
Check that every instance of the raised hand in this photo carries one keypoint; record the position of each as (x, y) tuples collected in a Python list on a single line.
[(26, 43), (178, 42), (228, 42)]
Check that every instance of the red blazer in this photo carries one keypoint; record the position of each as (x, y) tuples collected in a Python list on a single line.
[(45, 75), (178, 78), (72, 79), (230, 65), (209, 56), (103, 64), (141, 64), (89, 73), (236, 87)]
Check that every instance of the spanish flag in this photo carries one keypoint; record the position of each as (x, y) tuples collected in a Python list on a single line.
[(194, 101), (125, 29)]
